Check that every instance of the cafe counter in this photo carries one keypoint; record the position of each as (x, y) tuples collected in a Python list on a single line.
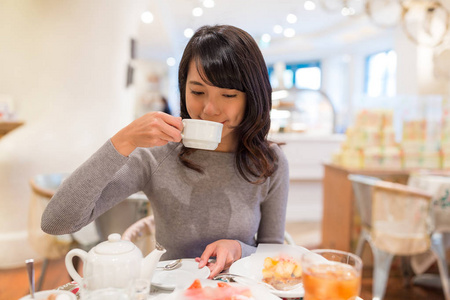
[(306, 154)]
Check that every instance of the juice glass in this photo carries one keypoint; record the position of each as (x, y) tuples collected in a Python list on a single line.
[(331, 275)]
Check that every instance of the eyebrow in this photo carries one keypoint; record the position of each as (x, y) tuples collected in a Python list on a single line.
[(195, 82)]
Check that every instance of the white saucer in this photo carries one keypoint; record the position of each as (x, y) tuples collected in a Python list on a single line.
[(181, 277), (42, 295)]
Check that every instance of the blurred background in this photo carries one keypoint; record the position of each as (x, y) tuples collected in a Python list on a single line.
[(72, 73)]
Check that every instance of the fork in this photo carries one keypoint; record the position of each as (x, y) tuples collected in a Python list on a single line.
[(228, 276)]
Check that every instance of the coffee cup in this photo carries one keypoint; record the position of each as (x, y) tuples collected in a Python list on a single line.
[(201, 134)]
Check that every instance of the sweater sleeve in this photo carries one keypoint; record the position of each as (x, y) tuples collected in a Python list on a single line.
[(273, 208), (101, 182)]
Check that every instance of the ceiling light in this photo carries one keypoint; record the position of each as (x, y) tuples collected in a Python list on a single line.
[(188, 32), (266, 38), (291, 18), (309, 5), (289, 32), (278, 29), (384, 14), (208, 3), (171, 61), (197, 12), (347, 11), (147, 17), (425, 22)]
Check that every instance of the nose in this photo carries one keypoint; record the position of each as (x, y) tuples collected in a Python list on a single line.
[(211, 107)]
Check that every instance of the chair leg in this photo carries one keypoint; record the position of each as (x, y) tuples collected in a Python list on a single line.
[(360, 245), (41, 277), (406, 270), (381, 268), (437, 246)]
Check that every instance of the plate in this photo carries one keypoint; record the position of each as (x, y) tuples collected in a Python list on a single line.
[(258, 292), (243, 267), (42, 295), (180, 277)]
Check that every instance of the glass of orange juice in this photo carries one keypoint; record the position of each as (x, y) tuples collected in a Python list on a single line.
[(331, 274)]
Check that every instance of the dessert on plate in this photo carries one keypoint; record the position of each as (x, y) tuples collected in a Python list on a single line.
[(223, 291), (282, 272), (57, 297)]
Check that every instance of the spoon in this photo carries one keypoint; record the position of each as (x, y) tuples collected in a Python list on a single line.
[(30, 270), (171, 266)]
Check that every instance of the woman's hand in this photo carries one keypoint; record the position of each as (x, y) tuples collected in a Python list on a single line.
[(225, 251), (152, 129)]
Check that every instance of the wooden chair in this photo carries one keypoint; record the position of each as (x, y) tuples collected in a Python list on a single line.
[(437, 183), (142, 234), (395, 222), (50, 247)]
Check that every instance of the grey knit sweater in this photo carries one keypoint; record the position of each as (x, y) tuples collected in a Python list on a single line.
[(191, 209)]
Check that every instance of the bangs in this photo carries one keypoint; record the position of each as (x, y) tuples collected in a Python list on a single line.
[(217, 65)]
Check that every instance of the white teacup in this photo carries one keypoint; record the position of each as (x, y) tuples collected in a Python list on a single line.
[(201, 134)]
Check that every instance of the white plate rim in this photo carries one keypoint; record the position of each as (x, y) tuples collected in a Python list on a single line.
[(202, 273), (239, 267), (49, 292), (213, 283)]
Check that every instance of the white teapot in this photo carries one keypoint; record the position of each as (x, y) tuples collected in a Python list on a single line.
[(114, 263)]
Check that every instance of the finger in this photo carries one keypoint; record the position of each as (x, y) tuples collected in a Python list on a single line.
[(209, 251), (211, 269), (153, 137), (171, 120), (220, 263), (209, 263), (159, 129), (173, 133), (165, 137)]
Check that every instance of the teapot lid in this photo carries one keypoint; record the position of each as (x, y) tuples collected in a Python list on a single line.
[(114, 245)]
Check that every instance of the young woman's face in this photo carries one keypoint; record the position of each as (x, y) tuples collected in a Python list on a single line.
[(216, 104)]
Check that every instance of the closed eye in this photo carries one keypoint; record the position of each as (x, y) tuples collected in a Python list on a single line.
[(229, 95), (196, 93)]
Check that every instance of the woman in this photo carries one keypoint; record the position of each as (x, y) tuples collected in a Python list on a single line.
[(219, 203)]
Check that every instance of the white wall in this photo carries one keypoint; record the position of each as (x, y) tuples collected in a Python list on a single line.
[(64, 64)]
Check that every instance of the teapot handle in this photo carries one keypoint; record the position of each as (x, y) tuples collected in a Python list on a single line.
[(69, 263)]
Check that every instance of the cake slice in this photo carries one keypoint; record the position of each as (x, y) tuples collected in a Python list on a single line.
[(283, 273)]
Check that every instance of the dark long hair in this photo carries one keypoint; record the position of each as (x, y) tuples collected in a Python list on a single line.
[(229, 57)]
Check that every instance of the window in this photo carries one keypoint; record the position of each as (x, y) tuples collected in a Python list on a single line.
[(308, 78), (302, 76), (381, 74)]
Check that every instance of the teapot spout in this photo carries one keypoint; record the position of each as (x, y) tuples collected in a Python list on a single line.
[(150, 261)]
